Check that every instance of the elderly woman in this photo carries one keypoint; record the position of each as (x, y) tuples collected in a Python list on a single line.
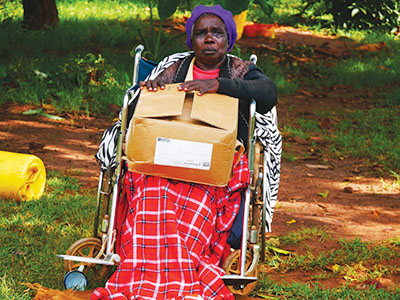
[(175, 233)]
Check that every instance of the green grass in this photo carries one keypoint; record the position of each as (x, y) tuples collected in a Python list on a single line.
[(269, 289), (355, 261), (36, 231), (370, 72), (86, 58), (373, 134), (305, 233), (295, 131), (348, 252)]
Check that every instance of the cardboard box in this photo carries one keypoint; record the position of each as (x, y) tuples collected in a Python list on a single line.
[(183, 136)]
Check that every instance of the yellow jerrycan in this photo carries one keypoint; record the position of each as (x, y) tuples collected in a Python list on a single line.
[(22, 176), (240, 21)]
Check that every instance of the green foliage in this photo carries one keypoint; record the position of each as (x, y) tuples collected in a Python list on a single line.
[(76, 83), (349, 14), (9, 10), (85, 71), (235, 6), (166, 8), (266, 6), (151, 39), (360, 14)]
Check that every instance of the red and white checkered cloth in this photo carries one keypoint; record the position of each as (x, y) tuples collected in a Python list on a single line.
[(173, 238)]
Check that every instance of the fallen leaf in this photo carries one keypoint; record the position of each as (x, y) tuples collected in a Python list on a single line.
[(334, 268), (383, 68), (320, 205), (300, 140), (321, 167), (268, 47), (291, 221), (267, 297), (305, 93), (376, 213), (52, 117), (294, 199), (316, 138), (339, 87), (280, 251), (324, 194), (32, 111), (373, 47)]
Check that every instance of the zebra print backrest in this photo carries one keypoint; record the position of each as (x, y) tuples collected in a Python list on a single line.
[(268, 133)]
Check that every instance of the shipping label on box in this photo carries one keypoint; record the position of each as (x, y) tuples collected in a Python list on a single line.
[(183, 136), (185, 154)]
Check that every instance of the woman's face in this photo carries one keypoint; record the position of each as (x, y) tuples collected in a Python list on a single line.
[(209, 42)]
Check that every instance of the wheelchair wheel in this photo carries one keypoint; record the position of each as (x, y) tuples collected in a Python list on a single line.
[(87, 247), (231, 265)]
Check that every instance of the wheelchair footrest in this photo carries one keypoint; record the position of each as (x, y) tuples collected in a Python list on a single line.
[(88, 260), (236, 280)]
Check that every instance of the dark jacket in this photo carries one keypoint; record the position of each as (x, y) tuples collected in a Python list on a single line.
[(239, 79)]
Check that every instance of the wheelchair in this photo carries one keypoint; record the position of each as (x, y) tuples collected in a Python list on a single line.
[(94, 257)]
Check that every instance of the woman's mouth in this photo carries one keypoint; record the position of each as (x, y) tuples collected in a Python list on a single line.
[(209, 51)]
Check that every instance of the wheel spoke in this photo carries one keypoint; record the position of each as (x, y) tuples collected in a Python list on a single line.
[(92, 248)]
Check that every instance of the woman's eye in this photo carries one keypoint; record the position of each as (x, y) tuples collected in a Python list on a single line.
[(218, 32), (199, 33)]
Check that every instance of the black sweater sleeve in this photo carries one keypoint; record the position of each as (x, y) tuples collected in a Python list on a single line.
[(255, 85)]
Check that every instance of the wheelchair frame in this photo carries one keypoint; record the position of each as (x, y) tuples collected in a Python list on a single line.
[(110, 188)]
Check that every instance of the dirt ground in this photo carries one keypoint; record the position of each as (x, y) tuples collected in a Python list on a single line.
[(358, 203)]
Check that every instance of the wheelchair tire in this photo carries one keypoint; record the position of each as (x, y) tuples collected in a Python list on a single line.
[(231, 265), (87, 247)]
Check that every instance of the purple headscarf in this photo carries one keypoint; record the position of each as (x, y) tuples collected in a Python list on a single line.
[(225, 15)]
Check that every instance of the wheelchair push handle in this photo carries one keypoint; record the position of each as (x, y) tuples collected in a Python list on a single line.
[(253, 59), (138, 55)]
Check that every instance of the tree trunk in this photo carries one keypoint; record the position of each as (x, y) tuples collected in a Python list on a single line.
[(39, 13)]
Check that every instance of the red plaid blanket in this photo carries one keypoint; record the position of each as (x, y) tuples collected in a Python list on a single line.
[(173, 238)]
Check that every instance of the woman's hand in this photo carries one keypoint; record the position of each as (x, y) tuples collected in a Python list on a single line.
[(152, 85), (201, 85)]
